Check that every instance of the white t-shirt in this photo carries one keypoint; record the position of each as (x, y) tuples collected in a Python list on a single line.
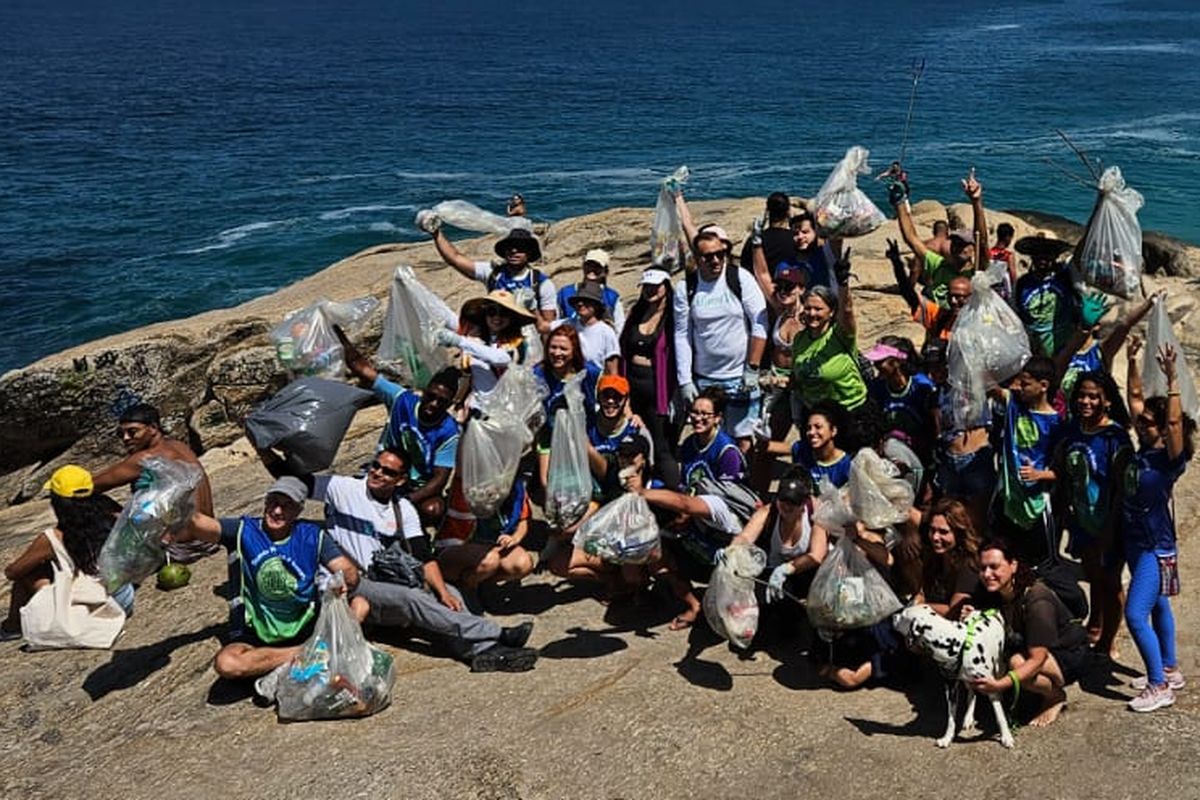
[(598, 341), (713, 331), (357, 521), (547, 295)]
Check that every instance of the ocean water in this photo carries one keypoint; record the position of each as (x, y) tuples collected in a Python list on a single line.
[(161, 159)]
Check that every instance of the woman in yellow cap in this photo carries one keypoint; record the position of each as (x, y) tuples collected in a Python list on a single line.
[(83, 520)]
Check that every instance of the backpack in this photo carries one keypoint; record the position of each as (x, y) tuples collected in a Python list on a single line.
[(742, 500), (538, 278), (733, 279)]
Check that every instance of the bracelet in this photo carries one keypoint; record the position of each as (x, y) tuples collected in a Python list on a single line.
[(1173, 394), (1016, 682)]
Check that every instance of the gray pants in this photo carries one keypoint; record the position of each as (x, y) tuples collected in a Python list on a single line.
[(396, 606)]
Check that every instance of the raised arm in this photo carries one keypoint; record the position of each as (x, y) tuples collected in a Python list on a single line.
[(1166, 357), (974, 192), (1112, 343), (356, 363), (201, 527), (898, 194), (903, 281), (685, 218), (845, 318), (451, 255), (1133, 379), (762, 272)]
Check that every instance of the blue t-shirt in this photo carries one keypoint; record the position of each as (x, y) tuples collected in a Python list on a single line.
[(908, 412), (555, 387), (836, 472), (721, 459), (504, 522), (1090, 483), (427, 446), (1146, 507), (1090, 360), (1047, 307), (1029, 438), (277, 580), (567, 311)]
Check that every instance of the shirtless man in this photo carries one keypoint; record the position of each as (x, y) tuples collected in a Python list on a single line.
[(140, 429)]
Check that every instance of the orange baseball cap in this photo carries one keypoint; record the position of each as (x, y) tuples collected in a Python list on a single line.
[(616, 383)]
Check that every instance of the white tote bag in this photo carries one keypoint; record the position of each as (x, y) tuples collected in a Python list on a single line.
[(72, 611)]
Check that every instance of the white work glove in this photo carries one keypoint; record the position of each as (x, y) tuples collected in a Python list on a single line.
[(447, 338), (720, 556), (756, 231), (779, 576), (428, 221), (750, 381), (688, 394)]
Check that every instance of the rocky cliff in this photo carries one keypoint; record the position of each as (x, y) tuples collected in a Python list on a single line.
[(204, 373)]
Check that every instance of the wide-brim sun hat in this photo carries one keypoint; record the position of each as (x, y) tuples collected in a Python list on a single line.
[(476, 307), (1041, 243), (519, 237)]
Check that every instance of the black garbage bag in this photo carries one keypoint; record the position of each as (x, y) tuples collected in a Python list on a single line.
[(306, 421)]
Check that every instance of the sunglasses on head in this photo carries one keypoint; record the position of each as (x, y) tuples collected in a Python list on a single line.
[(388, 471)]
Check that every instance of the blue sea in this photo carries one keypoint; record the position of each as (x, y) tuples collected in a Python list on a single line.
[(158, 159)]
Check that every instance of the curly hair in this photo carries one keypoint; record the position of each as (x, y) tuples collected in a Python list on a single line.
[(85, 523)]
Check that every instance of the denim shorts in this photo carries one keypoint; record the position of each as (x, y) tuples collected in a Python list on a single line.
[(967, 474), (743, 413)]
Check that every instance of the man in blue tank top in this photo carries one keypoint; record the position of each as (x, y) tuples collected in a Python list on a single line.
[(275, 602)]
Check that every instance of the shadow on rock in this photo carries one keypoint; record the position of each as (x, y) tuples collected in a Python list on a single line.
[(1101, 674), (127, 668), (928, 702), (701, 672), (583, 643), (535, 598)]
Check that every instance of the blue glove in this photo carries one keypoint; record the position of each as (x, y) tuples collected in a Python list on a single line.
[(1092, 308), (779, 576)]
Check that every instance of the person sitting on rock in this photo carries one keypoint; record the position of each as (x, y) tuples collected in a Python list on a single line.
[(595, 270), (419, 425), (140, 430), (515, 207), (275, 600), (968, 248), (370, 514), (532, 288), (83, 519)]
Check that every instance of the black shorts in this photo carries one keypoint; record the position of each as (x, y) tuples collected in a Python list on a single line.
[(246, 635), (1072, 661)]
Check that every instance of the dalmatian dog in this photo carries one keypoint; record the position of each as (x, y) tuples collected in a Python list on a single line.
[(962, 651)]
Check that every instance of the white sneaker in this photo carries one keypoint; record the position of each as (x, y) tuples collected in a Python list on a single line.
[(1153, 698), (1174, 679)]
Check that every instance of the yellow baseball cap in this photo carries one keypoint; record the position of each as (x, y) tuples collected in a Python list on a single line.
[(70, 481)]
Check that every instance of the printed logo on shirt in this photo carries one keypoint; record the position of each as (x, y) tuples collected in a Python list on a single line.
[(1028, 433), (275, 581)]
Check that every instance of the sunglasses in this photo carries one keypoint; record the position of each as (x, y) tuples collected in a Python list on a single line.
[(786, 287), (612, 398), (712, 258), (387, 471), (495, 311)]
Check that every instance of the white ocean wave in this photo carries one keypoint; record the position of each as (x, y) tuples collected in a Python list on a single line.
[(343, 213), (231, 236), (1004, 26)]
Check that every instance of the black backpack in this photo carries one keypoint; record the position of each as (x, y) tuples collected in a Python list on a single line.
[(733, 279)]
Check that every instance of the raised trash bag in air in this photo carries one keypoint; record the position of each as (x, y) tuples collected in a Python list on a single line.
[(1154, 382), (305, 421), (847, 592), (305, 343), (1110, 256), (623, 531), (666, 231), (162, 502), (840, 207), (988, 345), (469, 217), (337, 673), (414, 315), (729, 603), (569, 479)]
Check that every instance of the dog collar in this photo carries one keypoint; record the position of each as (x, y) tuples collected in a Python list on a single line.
[(973, 624)]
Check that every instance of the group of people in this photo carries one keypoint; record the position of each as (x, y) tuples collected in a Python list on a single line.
[(690, 394)]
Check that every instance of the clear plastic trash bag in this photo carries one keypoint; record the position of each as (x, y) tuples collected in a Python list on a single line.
[(879, 497), (831, 508), (666, 231), (1110, 257), (491, 448), (729, 603), (305, 343), (988, 345), (306, 421), (162, 503), (517, 396), (337, 673), (840, 207), (569, 479), (469, 217), (621, 532), (414, 316), (847, 592), (1154, 382)]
